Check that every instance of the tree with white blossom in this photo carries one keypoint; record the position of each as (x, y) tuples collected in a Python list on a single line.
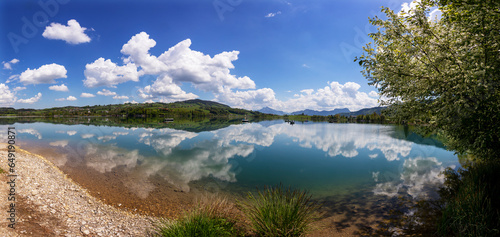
[(445, 70)]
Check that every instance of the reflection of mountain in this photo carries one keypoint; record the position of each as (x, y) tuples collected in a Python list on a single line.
[(193, 125)]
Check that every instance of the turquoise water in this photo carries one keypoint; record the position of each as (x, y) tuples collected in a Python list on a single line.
[(326, 159)]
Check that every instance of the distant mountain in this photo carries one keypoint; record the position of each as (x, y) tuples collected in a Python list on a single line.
[(322, 113), (366, 111), (267, 110)]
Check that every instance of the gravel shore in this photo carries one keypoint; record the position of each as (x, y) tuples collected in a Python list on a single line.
[(48, 203)]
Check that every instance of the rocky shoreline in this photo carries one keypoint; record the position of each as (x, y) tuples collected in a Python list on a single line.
[(48, 203)]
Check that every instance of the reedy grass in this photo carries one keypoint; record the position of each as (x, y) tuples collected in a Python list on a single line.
[(212, 217), (469, 205), (472, 198), (279, 211)]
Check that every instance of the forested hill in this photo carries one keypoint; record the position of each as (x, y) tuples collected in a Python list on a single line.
[(198, 102), (183, 109), (367, 111)]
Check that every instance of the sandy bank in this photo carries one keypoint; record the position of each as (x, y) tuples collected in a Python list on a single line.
[(48, 203)]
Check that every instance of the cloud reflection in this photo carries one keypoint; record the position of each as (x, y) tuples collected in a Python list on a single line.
[(420, 177), (207, 158), (60, 143), (345, 141), (181, 157), (164, 140), (31, 131)]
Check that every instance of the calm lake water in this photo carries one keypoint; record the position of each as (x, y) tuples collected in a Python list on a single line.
[(327, 159)]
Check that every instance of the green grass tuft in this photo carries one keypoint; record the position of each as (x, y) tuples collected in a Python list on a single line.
[(198, 224), (212, 218), (279, 211)]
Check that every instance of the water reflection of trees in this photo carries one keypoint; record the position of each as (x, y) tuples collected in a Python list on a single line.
[(193, 125), (209, 155)]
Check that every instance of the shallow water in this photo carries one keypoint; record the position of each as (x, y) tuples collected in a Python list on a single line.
[(142, 166)]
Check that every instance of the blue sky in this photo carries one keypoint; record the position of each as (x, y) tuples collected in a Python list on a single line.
[(288, 55)]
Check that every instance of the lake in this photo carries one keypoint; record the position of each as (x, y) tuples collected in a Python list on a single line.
[(161, 170)]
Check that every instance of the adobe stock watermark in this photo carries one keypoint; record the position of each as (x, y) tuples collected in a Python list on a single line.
[(40, 19), (223, 6), (361, 38)]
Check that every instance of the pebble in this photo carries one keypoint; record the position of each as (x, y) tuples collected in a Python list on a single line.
[(85, 231), (55, 196)]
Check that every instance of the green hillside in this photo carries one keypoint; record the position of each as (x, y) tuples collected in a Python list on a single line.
[(185, 109), (367, 111)]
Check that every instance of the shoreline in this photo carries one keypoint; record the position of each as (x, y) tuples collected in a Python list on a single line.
[(49, 203)]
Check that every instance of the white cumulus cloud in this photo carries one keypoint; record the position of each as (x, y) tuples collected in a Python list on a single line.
[(333, 96), (179, 64), (408, 8), (69, 98), (273, 14), (183, 64), (12, 78), (6, 96), (61, 87), (250, 99), (120, 97), (8, 65), (165, 90), (19, 88), (373, 94), (105, 92), (87, 95), (73, 33), (46, 74), (31, 100), (106, 73), (435, 15), (307, 91)]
